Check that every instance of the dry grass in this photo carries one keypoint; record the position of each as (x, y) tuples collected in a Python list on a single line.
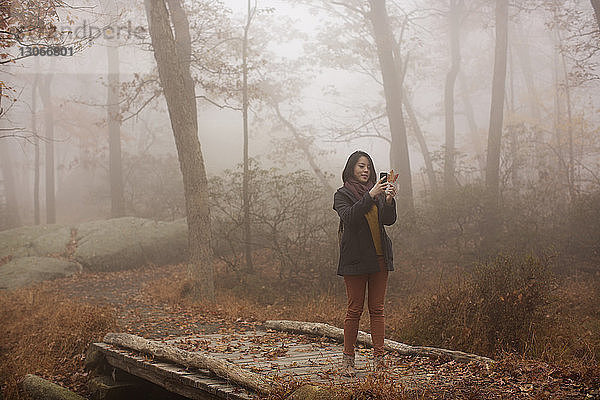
[(573, 337), (45, 334), (499, 311), (233, 303)]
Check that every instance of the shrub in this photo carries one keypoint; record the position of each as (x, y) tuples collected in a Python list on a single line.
[(291, 218), (584, 226), (510, 295), (445, 224), (498, 308), (153, 187)]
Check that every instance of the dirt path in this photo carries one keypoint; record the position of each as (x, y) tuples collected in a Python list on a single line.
[(136, 311)]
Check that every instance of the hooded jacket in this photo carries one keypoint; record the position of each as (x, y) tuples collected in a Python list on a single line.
[(357, 251)]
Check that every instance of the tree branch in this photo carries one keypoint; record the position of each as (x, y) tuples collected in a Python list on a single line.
[(221, 106), (349, 7), (155, 95)]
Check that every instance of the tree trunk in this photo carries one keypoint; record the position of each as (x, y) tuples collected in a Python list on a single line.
[(492, 175), (246, 194), (392, 87), (514, 139), (523, 58), (449, 158), (416, 128), (478, 147), (596, 5), (557, 106), (117, 203), (325, 330), (570, 172), (45, 94), (221, 368), (172, 51), (522, 52), (36, 146), (10, 189), (561, 166), (412, 117)]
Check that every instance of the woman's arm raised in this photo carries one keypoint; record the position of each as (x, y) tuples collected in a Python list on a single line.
[(350, 212)]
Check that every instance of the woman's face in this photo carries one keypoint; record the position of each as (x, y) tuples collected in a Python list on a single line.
[(362, 169)]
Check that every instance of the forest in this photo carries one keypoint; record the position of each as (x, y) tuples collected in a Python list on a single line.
[(168, 168)]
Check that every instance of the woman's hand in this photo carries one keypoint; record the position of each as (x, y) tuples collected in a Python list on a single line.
[(390, 194), (379, 188)]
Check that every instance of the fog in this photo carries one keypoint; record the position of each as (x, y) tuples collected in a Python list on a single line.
[(324, 53), (175, 168)]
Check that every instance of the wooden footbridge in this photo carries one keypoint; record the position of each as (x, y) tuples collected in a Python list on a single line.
[(240, 365)]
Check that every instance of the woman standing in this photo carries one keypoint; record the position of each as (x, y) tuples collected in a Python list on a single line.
[(366, 255)]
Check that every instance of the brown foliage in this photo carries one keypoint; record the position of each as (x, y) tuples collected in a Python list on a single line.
[(46, 334), (258, 297), (512, 307)]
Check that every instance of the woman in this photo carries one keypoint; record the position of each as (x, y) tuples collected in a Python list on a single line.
[(366, 254)]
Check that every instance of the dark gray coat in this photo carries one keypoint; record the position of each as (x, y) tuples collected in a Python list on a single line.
[(357, 251)]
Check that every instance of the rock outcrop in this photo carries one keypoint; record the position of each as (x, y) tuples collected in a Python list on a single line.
[(33, 253), (24, 271)]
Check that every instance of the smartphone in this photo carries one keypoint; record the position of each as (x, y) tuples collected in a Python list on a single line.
[(383, 175)]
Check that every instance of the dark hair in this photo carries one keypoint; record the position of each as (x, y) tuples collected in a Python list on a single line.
[(351, 163)]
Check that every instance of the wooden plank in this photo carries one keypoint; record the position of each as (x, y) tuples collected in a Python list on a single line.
[(245, 359), (246, 339), (201, 379), (154, 376), (240, 349), (313, 354), (216, 384), (314, 361), (172, 354), (173, 378), (199, 390), (285, 363)]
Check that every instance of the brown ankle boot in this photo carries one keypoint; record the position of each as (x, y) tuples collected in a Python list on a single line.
[(348, 368)]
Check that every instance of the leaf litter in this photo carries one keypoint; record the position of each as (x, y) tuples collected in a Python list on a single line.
[(124, 294)]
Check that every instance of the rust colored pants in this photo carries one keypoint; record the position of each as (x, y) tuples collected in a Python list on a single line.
[(356, 286)]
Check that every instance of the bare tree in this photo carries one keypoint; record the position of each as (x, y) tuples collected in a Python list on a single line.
[(304, 144), (454, 17), (415, 127), (36, 144), (46, 96), (476, 139), (113, 115), (170, 34), (245, 195), (9, 187), (392, 86), (492, 173), (570, 168), (522, 46)]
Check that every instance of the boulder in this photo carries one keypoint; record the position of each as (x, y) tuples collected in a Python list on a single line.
[(128, 242), (24, 271), (38, 240), (105, 245), (40, 389)]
